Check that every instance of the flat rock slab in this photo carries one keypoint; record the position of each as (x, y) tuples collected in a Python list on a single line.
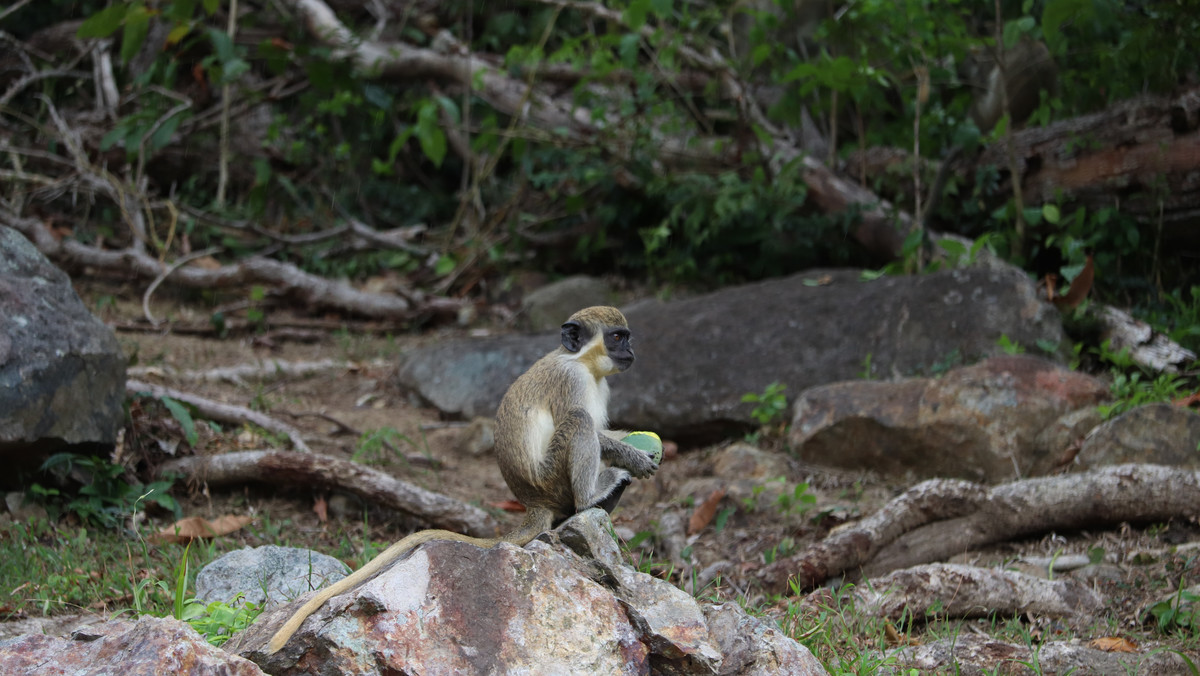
[(697, 357)]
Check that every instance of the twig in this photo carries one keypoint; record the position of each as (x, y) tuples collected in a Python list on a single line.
[(13, 7), (226, 96), (182, 260), (216, 410), (26, 80)]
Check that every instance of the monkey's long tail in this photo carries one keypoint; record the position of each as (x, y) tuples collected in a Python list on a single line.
[(536, 521)]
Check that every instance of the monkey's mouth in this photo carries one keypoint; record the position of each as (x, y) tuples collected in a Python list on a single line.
[(622, 363)]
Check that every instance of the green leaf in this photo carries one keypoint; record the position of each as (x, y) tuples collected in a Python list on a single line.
[(1051, 214), (162, 135), (181, 414), (178, 33), (103, 23), (955, 248), (211, 6), (137, 25), (429, 133), (222, 45), (661, 7), (445, 265), (635, 15)]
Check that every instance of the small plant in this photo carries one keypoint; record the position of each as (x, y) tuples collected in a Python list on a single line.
[(1010, 346), (769, 405), (218, 621), (375, 447), (798, 501), (1132, 386), (1180, 612), (106, 497)]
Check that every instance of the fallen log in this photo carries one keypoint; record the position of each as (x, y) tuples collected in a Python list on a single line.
[(282, 468)]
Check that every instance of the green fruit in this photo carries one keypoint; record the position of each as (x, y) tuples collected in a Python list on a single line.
[(648, 443)]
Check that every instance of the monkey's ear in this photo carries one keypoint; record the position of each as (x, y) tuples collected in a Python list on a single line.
[(572, 336)]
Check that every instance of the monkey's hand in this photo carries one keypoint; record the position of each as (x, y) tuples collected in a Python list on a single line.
[(621, 454)]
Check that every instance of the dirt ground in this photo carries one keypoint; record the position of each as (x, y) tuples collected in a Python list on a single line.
[(751, 524)]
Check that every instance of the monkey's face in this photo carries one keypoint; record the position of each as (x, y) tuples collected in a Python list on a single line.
[(616, 342), (604, 349)]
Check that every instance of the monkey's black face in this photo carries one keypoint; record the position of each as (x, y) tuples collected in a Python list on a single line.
[(616, 341)]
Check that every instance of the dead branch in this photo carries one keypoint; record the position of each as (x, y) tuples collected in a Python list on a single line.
[(282, 468), (264, 370), (215, 410), (962, 591), (310, 289), (940, 518)]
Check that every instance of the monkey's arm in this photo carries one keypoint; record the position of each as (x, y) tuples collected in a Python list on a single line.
[(621, 454)]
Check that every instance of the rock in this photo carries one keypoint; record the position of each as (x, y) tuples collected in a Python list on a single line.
[(269, 573), (753, 647), (546, 308), (23, 509), (566, 603), (468, 378), (1160, 434), (150, 646), (982, 422), (62, 372), (697, 357)]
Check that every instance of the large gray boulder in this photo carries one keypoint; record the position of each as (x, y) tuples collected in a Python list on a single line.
[(266, 576), (697, 357), (62, 372)]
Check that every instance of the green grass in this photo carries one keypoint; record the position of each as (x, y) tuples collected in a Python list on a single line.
[(52, 570)]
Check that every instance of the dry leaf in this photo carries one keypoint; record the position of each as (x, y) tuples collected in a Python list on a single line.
[(321, 508), (1114, 644), (1079, 287), (192, 527), (704, 512)]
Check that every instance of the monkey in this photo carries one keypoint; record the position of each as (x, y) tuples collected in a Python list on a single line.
[(550, 439)]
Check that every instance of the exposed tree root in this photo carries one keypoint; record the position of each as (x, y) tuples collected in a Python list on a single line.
[(283, 468), (939, 518)]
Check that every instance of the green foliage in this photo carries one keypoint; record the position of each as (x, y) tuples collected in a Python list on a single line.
[(1133, 386), (770, 405), (1009, 346), (106, 496), (217, 622), (1180, 612)]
